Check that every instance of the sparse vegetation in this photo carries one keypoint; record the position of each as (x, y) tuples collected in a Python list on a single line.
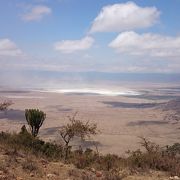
[(108, 166), (26, 142), (35, 119), (174, 149), (29, 165), (76, 128), (5, 105), (155, 157)]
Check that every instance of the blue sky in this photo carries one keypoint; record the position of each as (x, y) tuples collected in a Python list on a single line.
[(90, 35)]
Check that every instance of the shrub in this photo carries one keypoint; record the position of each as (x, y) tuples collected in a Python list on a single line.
[(110, 161), (174, 149), (155, 158), (4, 105), (85, 160), (27, 142)]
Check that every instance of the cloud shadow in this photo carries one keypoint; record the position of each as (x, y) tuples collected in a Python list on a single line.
[(116, 104), (13, 115)]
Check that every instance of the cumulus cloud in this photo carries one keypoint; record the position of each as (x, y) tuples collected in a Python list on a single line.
[(36, 13), (70, 46), (147, 44), (9, 48), (123, 17)]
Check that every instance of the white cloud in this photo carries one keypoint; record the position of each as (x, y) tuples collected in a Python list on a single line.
[(153, 45), (123, 17), (70, 46), (9, 48), (36, 13)]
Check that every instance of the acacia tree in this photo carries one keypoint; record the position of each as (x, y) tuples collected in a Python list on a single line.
[(76, 128), (35, 119)]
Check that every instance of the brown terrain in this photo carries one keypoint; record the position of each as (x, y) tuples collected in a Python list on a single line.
[(25, 166), (120, 119)]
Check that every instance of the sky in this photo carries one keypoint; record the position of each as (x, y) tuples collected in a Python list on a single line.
[(115, 36)]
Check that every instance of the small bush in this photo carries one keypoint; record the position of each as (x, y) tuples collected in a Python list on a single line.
[(109, 162), (27, 142), (174, 149), (155, 158), (88, 158)]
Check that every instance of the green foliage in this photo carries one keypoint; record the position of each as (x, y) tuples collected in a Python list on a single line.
[(174, 149), (25, 141), (35, 119)]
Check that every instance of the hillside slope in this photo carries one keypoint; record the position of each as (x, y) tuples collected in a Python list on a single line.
[(25, 166)]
